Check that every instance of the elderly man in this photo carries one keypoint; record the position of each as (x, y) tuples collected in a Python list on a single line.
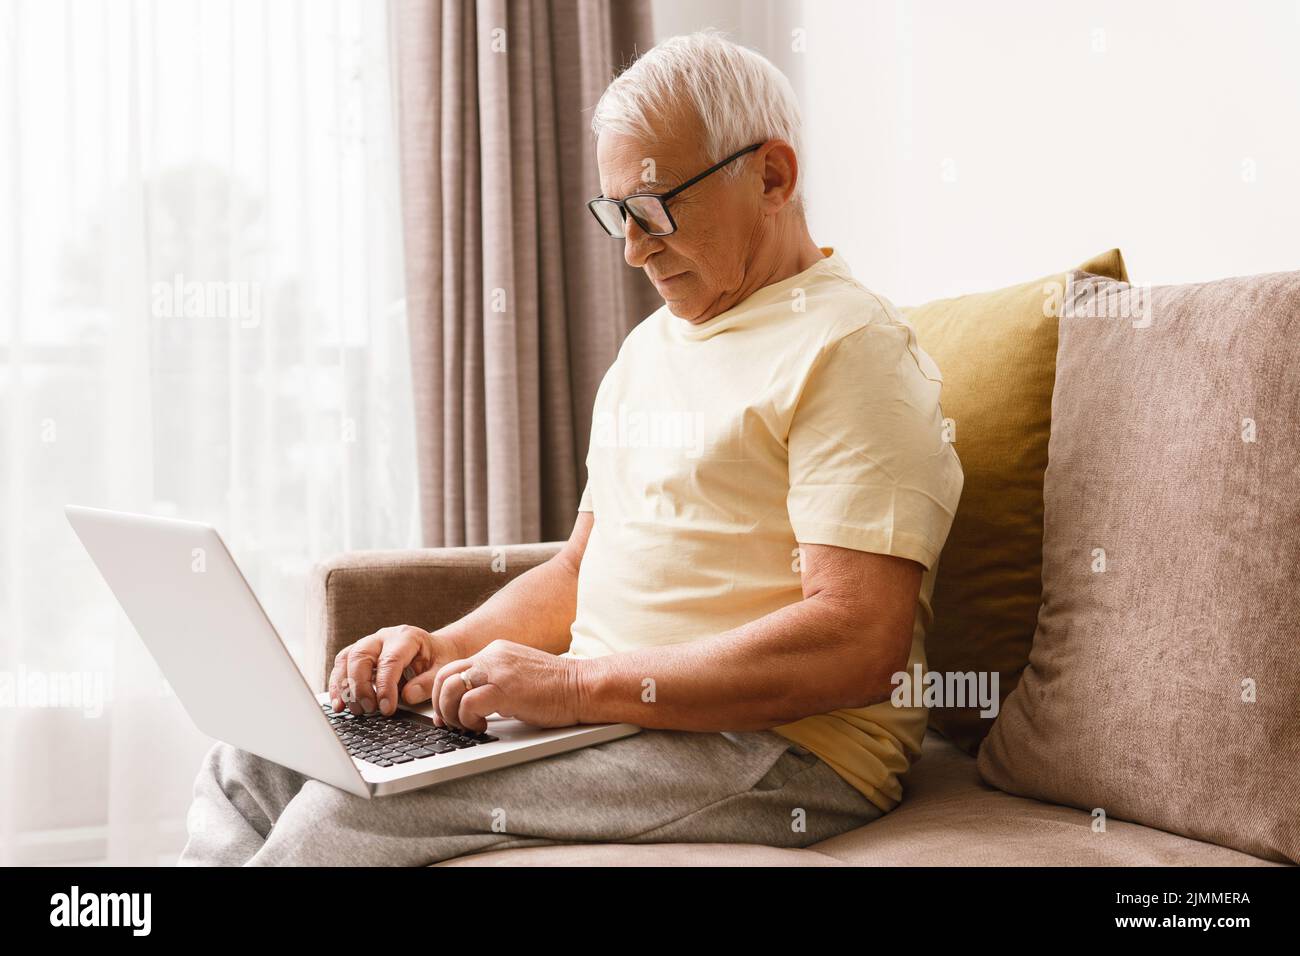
[(752, 561)]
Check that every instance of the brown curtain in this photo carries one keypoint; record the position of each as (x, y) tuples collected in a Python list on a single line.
[(517, 301)]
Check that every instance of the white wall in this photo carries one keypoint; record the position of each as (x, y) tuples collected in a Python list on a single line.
[(955, 146), (764, 25)]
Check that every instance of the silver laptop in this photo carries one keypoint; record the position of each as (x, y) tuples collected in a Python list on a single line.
[(214, 643)]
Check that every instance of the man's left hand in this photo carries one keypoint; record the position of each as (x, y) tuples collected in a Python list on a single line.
[(513, 680)]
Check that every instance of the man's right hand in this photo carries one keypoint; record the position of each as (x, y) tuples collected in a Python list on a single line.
[(367, 675)]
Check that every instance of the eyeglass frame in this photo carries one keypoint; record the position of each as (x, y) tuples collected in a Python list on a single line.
[(662, 197)]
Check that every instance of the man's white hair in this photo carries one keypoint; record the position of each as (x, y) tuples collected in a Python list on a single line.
[(739, 96)]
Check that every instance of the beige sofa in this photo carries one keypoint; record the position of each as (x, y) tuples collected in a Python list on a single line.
[(948, 816)]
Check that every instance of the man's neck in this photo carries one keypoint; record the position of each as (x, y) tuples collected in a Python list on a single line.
[(789, 258)]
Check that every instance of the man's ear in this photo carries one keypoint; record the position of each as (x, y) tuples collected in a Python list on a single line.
[(780, 170)]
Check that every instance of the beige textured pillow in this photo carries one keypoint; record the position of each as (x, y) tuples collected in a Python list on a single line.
[(1163, 686)]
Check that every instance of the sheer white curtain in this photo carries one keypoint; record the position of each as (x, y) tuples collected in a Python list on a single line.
[(201, 314)]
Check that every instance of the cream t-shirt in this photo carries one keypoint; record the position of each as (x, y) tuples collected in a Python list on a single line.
[(806, 414)]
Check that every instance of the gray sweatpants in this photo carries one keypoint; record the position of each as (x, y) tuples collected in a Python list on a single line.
[(657, 786)]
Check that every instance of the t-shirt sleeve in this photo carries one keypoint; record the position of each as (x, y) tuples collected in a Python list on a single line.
[(870, 467), (584, 503)]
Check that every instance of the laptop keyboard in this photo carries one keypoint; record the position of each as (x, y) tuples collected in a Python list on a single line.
[(389, 741)]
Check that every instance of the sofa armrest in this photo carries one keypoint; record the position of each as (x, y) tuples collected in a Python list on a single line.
[(359, 592)]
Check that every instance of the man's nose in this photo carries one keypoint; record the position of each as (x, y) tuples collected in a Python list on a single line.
[(637, 243)]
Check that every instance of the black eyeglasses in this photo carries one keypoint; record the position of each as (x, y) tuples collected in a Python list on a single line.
[(650, 210)]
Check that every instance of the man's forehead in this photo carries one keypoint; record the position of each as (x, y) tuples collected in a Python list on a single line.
[(648, 175), (629, 164)]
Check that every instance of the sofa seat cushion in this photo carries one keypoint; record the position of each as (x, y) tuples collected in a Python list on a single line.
[(948, 817), (649, 854)]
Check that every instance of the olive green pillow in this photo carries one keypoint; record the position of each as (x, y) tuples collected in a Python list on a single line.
[(997, 353)]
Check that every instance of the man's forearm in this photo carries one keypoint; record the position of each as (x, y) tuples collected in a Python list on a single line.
[(537, 609), (807, 658)]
